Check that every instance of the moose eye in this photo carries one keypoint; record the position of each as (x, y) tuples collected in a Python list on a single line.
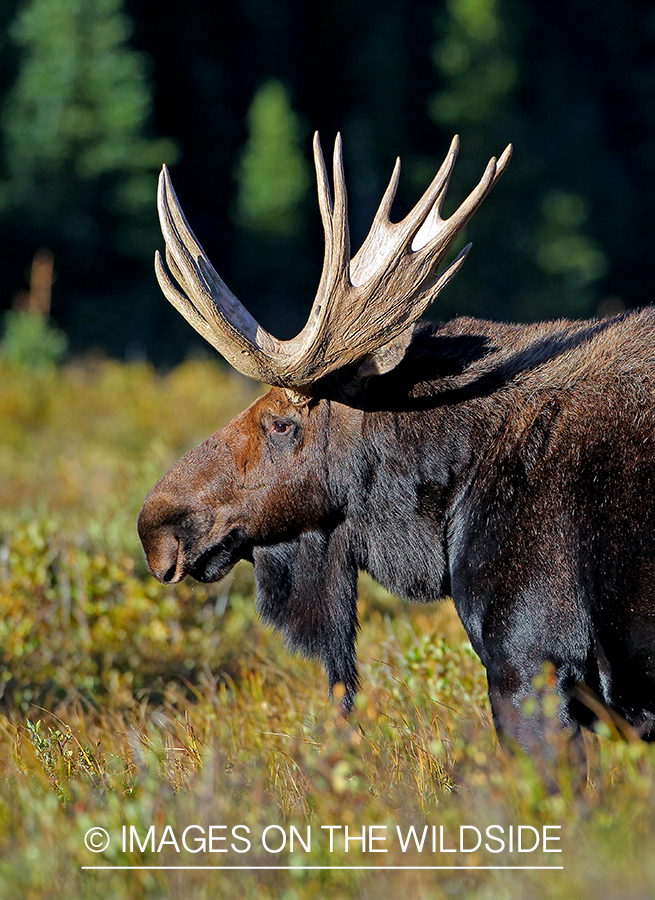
[(280, 426)]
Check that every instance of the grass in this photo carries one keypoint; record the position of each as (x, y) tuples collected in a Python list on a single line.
[(127, 705)]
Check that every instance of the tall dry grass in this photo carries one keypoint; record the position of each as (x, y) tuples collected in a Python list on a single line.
[(125, 703)]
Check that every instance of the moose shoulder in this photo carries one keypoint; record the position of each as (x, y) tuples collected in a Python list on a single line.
[(510, 467)]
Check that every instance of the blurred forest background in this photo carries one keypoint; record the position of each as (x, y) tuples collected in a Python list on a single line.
[(126, 701), (96, 94)]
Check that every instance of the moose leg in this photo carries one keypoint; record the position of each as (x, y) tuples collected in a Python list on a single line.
[(530, 706), (307, 588), (517, 708)]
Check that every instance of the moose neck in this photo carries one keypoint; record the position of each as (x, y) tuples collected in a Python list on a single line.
[(423, 432), (404, 463)]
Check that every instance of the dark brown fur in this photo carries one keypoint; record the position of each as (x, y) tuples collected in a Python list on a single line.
[(511, 467)]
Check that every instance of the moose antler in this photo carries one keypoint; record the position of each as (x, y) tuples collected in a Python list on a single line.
[(364, 308)]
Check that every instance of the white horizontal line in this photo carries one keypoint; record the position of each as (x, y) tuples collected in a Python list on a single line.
[(319, 868)]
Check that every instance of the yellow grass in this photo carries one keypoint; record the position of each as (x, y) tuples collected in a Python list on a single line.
[(128, 704)]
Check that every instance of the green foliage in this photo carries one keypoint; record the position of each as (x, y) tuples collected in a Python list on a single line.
[(476, 61), (551, 250), (74, 121), (273, 176), (79, 447), (77, 622), (574, 92), (563, 250), (87, 440), (30, 340), (447, 671)]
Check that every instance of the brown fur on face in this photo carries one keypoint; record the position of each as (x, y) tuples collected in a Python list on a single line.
[(260, 478)]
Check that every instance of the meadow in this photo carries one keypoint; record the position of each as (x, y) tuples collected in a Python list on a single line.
[(171, 718)]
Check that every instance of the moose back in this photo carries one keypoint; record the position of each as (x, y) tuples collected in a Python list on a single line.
[(510, 467)]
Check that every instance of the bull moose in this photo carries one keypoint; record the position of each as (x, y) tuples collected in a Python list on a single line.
[(510, 467)]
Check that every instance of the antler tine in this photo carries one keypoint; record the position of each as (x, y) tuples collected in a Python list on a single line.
[(323, 185), (446, 231), (505, 157), (340, 227), (326, 208), (334, 216), (433, 196), (188, 256), (387, 239), (206, 302), (384, 209), (180, 302)]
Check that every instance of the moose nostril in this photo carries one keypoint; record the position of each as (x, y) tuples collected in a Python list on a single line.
[(165, 559), (170, 575)]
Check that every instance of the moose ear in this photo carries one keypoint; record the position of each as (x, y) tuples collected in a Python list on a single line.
[(307, 589), (387, 357)]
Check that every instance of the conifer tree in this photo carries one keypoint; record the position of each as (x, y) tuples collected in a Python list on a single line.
[(79, 166), (271, 210), (549, 244), (273, 172)]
